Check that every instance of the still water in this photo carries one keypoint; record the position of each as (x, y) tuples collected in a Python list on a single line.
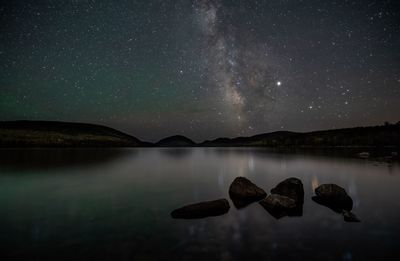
[(115, 204)]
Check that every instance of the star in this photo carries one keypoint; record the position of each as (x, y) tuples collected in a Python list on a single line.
[(200, 67)]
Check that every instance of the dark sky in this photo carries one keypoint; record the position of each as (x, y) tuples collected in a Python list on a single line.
[(201, 68)]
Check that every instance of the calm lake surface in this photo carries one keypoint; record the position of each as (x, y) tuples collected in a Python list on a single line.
[(115, 204)]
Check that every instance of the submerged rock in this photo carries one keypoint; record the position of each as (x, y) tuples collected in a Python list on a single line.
[(334, 197), (279, 206), (350, 216), (202, 209), (244, 190), (292, 188)]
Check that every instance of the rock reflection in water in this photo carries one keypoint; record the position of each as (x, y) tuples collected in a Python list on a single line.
[(58, 158)]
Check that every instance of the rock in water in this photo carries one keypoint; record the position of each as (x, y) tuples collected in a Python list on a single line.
[(241, 203), (334, 197), (243, 189), (292, 188), (202, 209), (279, 206), (350, 216)]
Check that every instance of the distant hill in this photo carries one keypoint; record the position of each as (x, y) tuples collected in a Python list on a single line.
[(176, 141), (62, 134), (66, 134), (377, 136)]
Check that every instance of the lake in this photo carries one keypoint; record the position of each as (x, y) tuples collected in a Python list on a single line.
[(115, 204)]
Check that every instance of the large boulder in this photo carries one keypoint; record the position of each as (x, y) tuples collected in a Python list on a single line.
[(243, 189), (292, 188), (202, 209), (334, 197), (279, 206)]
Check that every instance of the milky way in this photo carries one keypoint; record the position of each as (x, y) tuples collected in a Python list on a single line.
[(237, 69), (201, 68)]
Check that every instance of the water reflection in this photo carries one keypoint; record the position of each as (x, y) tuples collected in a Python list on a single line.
[(49, 159), (383, 156), (178, 153), (118, 208), (314, 182)]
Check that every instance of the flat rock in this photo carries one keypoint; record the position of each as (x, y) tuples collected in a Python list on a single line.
[(243, 189), (279, 206), (334, 197), (202, 209), (292, 188)]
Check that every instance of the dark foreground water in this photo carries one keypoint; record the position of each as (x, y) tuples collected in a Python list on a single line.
[(115, 205)]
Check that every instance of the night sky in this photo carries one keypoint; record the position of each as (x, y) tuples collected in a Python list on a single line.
[(201, 68)]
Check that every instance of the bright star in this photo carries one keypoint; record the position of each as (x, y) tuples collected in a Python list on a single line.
[(278, 83)]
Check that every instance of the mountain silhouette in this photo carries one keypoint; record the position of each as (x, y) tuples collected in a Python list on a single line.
[(68, 134)]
